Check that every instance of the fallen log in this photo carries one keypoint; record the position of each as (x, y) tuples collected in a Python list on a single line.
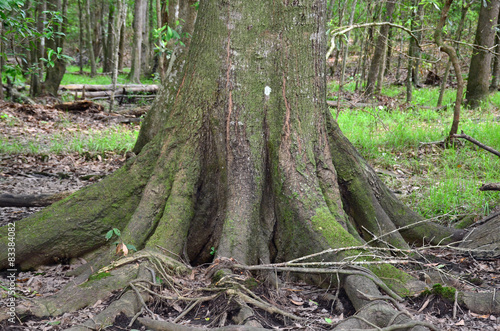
[(81, 105), (490, 187), (130, 87), (40, 200)]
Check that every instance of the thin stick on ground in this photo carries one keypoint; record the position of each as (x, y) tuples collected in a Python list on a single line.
[(475, 142)]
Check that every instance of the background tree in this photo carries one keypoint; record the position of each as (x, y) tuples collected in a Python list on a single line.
[(139, 22), (55, 58), (378, 59), (480, 64)]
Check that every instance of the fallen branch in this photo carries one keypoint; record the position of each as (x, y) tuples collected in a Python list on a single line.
[(40, 200), (490, 187), (82, 105), (474, 141)]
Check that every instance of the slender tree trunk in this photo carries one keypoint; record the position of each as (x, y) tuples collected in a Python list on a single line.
[(161, 59), (400, 57), (121, 10), (388, 57), (55, 74), (452, 54), (444, 82), (37, 51), (346, 47), (495, 79), (415, 53), (139, 18), (480, 64), (121, 48), (90, 46), (2, 52), (110, 38), (380, 50), (80, 35)]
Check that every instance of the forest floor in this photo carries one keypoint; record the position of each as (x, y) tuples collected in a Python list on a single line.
[(320, 308)]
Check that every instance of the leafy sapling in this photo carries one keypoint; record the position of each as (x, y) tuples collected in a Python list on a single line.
[(121, 247)]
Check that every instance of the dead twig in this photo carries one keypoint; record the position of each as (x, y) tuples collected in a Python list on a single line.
[(474, 141)]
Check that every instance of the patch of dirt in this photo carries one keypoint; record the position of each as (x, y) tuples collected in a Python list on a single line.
[(49, 173)]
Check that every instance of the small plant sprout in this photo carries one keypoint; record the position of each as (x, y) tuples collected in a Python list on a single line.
[(212, 251), (121, 247)]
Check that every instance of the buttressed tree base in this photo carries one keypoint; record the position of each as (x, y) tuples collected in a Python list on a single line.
[(248, 160)]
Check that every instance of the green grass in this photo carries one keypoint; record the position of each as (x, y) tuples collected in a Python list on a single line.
[(73, 76), (117, 139), (436, 181)]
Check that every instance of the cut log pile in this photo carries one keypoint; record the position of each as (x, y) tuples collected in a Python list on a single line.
[(94, 92)]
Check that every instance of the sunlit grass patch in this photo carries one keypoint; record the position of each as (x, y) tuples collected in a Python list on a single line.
[(116, 139), (433, 181)]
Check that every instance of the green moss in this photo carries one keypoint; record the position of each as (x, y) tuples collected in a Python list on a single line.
[(466, 222), (251, 283), (445, 292), (98, 276), (395, 278), (336, 236)]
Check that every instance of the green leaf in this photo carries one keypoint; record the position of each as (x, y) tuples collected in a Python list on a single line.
[(328, 320), (117, 232), (109, 234), (131, 247)]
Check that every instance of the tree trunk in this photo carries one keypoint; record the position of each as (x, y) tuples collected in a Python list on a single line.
[(155, 121), (139, 18), (36, 48), (90, 47), (479, 72), (110, 41), (414, 51), (249, 160), (80, 35), (444, 82), (121, 47), (2, 50), (115, 36), (495, 79), (452, 54), (380, 49), (346, 47), (55, 74)]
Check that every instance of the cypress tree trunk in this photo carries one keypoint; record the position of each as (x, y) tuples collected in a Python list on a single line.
[(479, 72), (248, 160)]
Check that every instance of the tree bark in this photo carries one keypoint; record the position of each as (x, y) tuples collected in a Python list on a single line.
[(55, 74), (90, 47), (248, 160), (139, 18), (380, 49), (80, 35), (117, 27), (495, 79), (479, 72), (2, 50), (452, 54), (174, 76)]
